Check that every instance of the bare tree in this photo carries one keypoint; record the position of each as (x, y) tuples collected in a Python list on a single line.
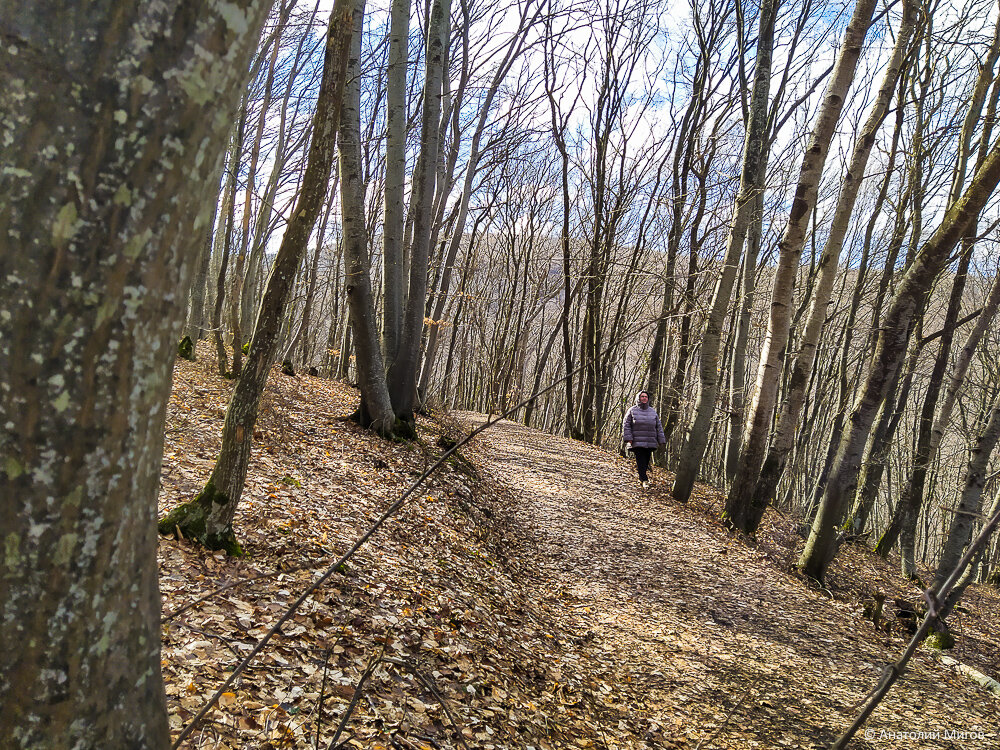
[(403, 364), (208, 518), (892, 343), (696, 437), (754, 483)]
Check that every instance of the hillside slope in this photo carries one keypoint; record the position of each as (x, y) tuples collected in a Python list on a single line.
[(529, 599)]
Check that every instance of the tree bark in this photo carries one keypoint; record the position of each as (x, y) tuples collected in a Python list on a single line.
[(208, 518), (101, 240), (892, 342), (696, 438)]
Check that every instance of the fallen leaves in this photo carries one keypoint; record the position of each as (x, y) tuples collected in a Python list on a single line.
[(537, 606)]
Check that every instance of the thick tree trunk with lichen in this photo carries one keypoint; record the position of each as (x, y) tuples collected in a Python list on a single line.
[(101, 242), (208, 518)]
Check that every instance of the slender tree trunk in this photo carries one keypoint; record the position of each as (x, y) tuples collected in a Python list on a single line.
[(741, 337), (471, 171), (376, 407), (100, 242), (971, 501), (696, 438), (402, 374), (229, 203), (239, 272), (753, 489), (395, 177), (880, 442), (847, 383), (307, 306), (208, 518), (906, 304), (905, 517), (743, 509), (196, 311), (908, 508)]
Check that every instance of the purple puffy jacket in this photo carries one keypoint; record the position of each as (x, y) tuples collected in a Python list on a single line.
[(642, 427)]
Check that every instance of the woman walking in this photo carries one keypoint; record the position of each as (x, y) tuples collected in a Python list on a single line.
[(643, 433)]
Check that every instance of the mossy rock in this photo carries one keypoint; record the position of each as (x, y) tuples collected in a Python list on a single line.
[(288, 368), (185, 349)]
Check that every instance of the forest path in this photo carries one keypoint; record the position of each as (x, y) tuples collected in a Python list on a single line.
[(705, 638)]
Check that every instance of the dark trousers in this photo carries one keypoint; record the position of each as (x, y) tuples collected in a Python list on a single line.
[(642, 456)]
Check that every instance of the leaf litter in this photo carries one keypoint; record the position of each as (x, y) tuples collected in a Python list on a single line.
[(529, 597)]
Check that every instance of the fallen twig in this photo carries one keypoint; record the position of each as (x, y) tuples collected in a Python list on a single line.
[(372, 664), (429, 684)]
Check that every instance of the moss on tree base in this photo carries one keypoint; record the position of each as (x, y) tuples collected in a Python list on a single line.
[(404, 429), (191, 520)]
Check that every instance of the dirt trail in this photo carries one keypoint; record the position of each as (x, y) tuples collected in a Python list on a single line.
[(703, 638)]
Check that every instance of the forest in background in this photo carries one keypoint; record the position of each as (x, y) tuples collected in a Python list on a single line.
[(580, 226)]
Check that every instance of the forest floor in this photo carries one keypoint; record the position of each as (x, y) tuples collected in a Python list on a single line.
[(529, 596)]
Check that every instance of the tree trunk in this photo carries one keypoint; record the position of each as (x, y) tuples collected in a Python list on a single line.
[(904, 521), (892, 342), (229, 203), (513, 51), (741, 336), (696, 438), (743, 508), (376, 407), (402, 374), (908, 507), (100, 246), (753, 488), (195, 327), (880, 442), (208, 518), (395, 177), (971, 502), (846, 383)]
